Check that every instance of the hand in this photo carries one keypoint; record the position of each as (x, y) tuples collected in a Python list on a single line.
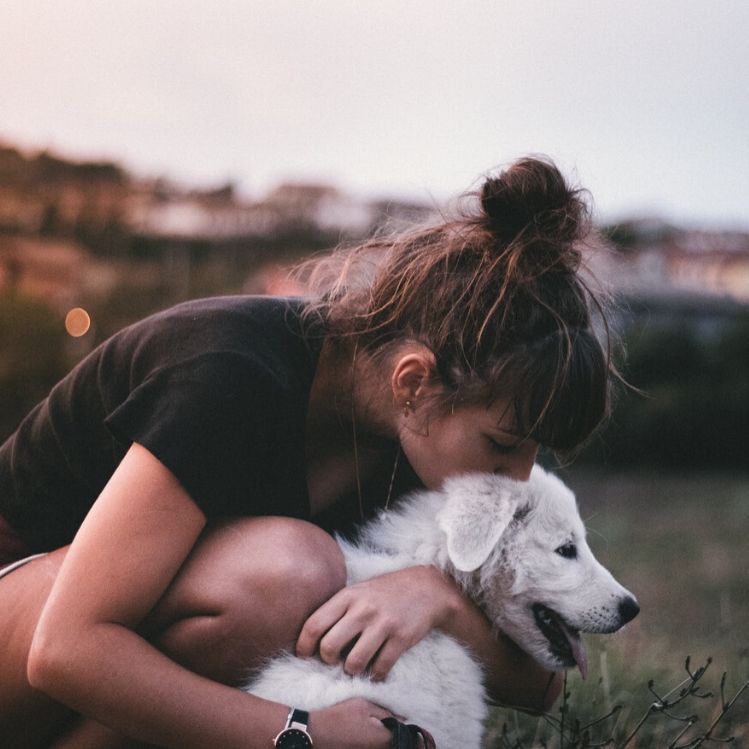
[(353, 724), (379, 619)]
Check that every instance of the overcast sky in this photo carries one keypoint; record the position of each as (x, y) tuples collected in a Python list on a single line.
[(647, 103)]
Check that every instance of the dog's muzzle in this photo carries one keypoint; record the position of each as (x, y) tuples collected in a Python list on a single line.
[(564, 641)]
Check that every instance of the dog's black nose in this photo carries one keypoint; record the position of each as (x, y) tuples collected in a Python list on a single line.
[(628, 609)]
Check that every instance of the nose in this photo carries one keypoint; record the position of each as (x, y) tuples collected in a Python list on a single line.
[(516, 473), (628, 609), (517, 470)]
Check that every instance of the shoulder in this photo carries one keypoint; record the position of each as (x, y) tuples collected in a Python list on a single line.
[(224, 322), (231, 333)]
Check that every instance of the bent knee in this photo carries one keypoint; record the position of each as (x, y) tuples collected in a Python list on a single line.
[(248, 557), (245, 592), (285, 560)]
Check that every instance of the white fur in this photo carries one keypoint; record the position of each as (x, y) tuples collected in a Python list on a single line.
[(498, 538)]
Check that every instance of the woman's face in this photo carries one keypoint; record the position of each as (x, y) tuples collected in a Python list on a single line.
[(471, 438)]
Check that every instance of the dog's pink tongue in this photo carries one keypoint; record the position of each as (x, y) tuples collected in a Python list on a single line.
[(579, 653)]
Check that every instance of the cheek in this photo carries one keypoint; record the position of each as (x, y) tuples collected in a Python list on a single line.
[(461, 450), (454, 447), (435, 454)]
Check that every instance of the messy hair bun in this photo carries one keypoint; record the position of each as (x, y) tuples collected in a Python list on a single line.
[(533, 192), (530, 202), (498, 295)]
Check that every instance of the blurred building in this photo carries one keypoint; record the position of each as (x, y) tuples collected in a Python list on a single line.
[(44, 195), (58, 215), (52, 270), (650, 256), (292, 208)]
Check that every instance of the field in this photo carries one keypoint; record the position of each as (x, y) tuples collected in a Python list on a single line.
[(680, 544)]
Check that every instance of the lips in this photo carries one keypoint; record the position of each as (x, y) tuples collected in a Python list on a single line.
[(565, 641)]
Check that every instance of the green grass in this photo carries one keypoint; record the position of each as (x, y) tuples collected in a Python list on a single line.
[(680, 544)]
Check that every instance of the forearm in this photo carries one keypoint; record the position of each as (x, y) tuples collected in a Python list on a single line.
[(512, 676), (110, 674)]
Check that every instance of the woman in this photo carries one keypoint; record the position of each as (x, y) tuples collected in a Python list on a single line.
[(181, 475)]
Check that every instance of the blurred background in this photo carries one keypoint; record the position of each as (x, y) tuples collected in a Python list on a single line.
[(155, 152)]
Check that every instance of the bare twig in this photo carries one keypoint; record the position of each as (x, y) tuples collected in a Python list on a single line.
[(572, 733)]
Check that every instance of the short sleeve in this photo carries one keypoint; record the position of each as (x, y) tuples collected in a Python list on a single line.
[(213, 422)]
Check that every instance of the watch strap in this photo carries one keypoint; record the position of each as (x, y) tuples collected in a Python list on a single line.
[(407, 736), (297, 719), (295, 730)]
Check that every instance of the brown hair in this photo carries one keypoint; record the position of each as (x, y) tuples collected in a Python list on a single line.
[(497, 294)]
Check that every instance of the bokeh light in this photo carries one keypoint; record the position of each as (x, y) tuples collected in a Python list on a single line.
[(77, 322)]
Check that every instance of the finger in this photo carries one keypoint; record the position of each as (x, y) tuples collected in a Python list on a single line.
[(338, 638), (388, 713), (386, 658), (372, 712), (380, 732), (318, 623), (379, 713), (364, 651)]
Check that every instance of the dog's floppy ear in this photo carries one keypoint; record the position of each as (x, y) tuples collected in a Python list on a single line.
[(476, 514)]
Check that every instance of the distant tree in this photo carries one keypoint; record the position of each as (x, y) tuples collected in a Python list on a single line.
[(32, 356), (50, 225), (693, 408)]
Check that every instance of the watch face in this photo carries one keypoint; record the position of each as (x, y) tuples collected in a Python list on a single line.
[(293, 738)]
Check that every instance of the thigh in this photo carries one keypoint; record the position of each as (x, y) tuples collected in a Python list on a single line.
[(244, 591), (27, 715)]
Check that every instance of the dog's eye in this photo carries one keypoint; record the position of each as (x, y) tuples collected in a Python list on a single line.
[(568, 551)]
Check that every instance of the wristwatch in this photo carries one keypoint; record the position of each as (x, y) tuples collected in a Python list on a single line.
[(295, 734)]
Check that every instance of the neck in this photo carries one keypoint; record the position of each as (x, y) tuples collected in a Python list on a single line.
[(345, 448), (348, 398)]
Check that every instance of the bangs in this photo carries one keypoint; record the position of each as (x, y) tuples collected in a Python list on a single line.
[(559, 388)]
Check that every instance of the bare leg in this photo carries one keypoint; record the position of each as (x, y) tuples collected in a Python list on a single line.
[(244, 593)]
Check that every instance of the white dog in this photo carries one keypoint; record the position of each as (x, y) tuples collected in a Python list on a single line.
[(517, 549)]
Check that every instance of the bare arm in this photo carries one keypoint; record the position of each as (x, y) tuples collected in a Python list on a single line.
[(388, 614), (86, 654)]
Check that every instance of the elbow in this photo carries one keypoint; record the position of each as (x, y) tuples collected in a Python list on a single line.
[(523, 683), (40, 663), (552, 690), (540, 692), (535, 696), (48, 664)]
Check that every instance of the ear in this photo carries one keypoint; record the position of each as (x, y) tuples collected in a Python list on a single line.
[(476, 514), (413, 370)]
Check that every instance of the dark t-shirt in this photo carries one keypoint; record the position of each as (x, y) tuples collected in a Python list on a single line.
[(217, 389)]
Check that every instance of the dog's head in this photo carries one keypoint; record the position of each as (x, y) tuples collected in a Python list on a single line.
[(520, 550)]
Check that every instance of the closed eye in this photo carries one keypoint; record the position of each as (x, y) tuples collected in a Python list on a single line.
[(500, 447), (568, 551)]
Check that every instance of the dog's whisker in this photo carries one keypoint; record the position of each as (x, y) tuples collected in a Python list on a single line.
[(599, 534)]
